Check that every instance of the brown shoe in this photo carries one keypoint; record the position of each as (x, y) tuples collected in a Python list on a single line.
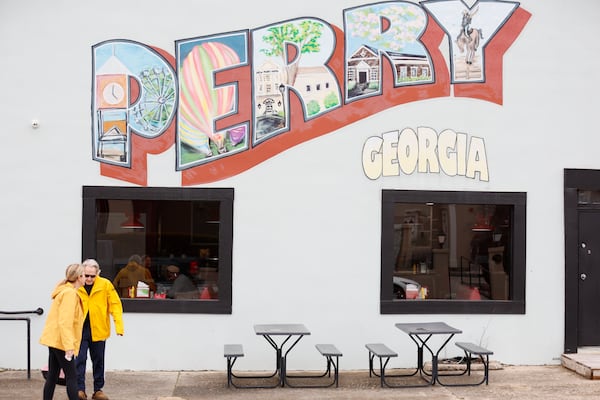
[(99, 395), (82, 395)]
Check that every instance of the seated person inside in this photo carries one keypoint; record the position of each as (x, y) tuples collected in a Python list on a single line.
[(131, 274), (183, 287)]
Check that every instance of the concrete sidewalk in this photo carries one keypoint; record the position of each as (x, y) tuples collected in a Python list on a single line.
[(510, 382)]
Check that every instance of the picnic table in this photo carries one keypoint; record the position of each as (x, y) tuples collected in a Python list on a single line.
[(283, 338), (420, 333)]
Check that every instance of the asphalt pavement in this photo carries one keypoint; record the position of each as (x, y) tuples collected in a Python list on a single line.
[(507, 383)]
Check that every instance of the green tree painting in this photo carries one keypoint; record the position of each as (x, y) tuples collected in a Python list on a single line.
[(305, 35)]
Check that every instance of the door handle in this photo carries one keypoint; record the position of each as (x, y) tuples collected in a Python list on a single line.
[(583, 277)]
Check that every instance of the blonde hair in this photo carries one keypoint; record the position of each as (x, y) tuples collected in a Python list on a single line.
[(73, 272)]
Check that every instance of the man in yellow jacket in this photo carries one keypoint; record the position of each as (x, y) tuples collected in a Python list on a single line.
[(100, 299)]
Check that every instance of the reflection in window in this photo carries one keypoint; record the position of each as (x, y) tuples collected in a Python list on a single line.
[(159, 246), (452, 252)]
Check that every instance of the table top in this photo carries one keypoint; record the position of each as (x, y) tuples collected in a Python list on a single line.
[(427, 328), (281, 329)]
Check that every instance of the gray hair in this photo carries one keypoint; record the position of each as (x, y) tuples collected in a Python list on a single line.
[(136, 258), (90, 262)]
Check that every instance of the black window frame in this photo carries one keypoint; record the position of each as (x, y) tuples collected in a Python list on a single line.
[(516, 304), (225, 196)]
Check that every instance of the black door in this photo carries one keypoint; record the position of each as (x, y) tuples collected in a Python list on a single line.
[(589, 278), (362, 77)]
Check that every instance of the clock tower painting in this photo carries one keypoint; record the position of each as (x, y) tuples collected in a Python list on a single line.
[(112, 101), (111, 91)]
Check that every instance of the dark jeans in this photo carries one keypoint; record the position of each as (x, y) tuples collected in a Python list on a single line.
[(96, 354), (56, 362)]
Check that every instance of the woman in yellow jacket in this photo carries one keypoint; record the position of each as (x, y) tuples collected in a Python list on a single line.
[(62, 332)]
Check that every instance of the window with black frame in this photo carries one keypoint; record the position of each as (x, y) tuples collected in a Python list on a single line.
[(164, 249), (452, 252)]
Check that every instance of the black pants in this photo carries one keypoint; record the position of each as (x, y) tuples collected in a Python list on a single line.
[(56, 362)]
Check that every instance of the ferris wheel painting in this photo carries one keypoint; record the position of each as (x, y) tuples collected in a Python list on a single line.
[(135, 92), (156, 107)]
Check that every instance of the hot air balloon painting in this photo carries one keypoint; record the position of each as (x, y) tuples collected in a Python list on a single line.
[(200, 102), (237, 134)]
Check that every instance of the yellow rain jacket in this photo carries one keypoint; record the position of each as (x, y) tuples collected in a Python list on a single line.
[(102, 301), (65, 319)]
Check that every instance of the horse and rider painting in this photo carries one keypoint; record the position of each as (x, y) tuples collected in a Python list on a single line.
[(468, 38)]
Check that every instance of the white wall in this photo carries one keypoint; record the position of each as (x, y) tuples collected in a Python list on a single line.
[(307, 221)]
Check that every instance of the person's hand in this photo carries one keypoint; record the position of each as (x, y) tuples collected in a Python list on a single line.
[(69, 355)]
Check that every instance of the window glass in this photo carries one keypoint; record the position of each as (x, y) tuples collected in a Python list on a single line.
[(588, 197), (452, 251), (165, 250)]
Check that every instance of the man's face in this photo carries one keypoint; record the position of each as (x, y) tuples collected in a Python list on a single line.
[(90, 275)]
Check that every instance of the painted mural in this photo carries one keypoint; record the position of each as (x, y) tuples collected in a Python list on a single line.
[(231, 100), (292, 56), (424, 150), (201, 101), (134, 94), (385, 30)]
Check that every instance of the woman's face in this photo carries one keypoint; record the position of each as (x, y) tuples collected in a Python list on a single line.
[(79, 281)]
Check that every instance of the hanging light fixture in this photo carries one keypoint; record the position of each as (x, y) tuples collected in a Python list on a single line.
[(133, 218), (482, 228), (212, 216), (482, 222), (132, 222)]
